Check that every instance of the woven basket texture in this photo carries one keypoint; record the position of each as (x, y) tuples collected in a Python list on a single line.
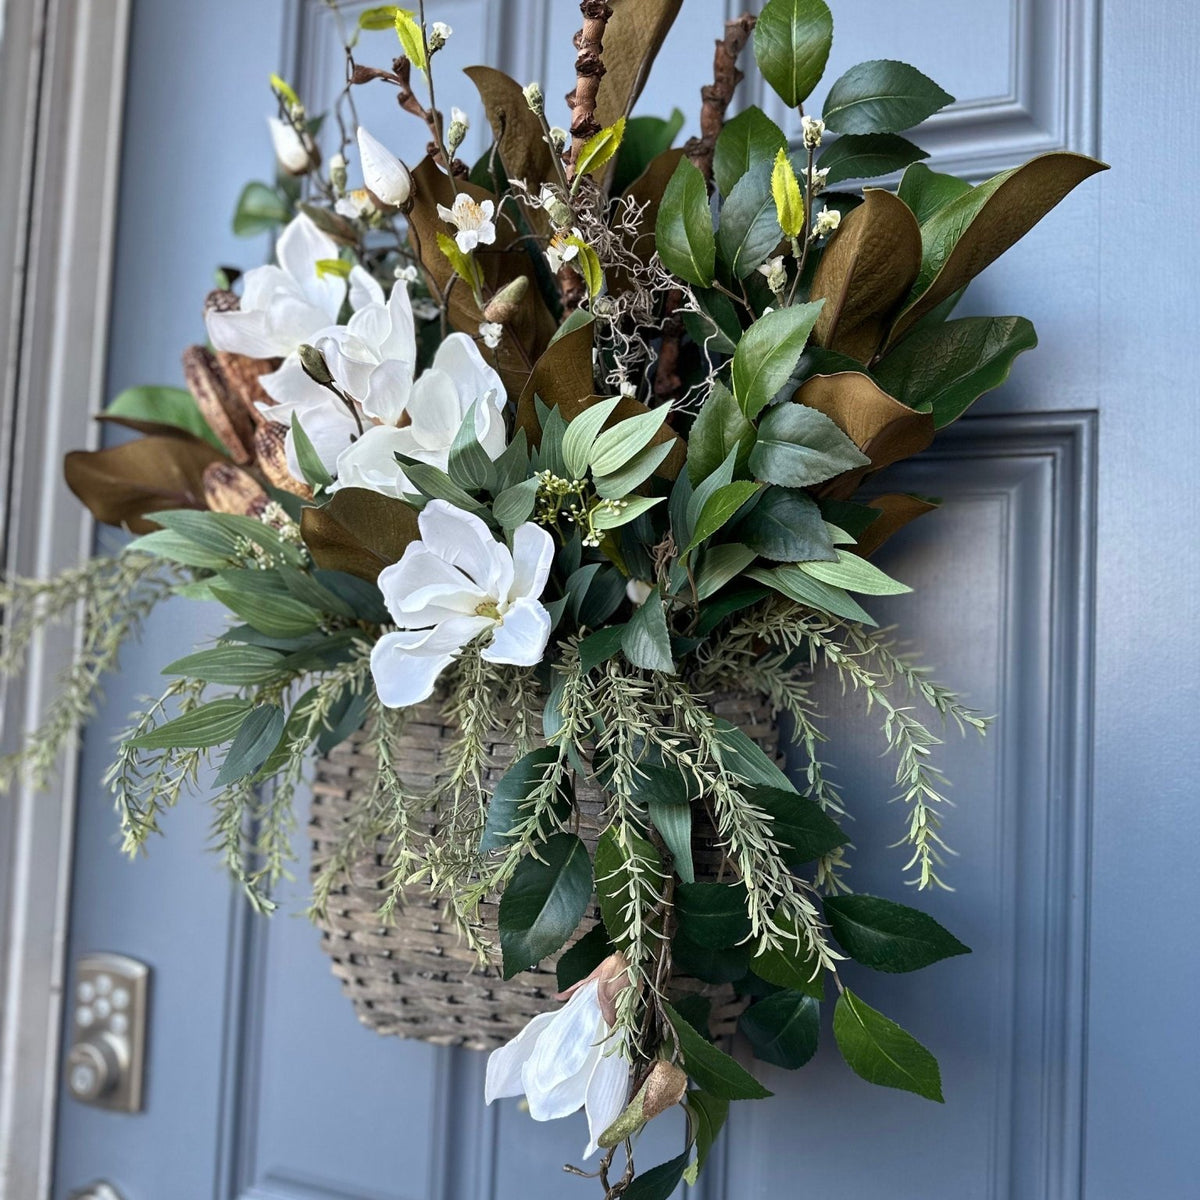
[(415, 978)]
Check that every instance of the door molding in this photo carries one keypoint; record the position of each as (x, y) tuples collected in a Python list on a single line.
[(62, 81)]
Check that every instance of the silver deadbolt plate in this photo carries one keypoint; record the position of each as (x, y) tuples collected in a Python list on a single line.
[(106, 1062), (96, 1191)]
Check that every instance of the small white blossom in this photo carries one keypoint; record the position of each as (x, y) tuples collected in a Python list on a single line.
[(291, 150), (775, 273), (628, 390), (638, 591), (356, 204), (559, 136), (337, 172), (384, 175), (559, 250), (813, 129), (826, 222), (459, 124), (491, 332), (534, 98), (409, 274), (820, 175), (472, 219)]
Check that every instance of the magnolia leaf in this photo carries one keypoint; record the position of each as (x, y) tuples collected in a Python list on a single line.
[(786, 526), (947, 368), (867, 155), (684, 230), (259, 210), (632, 38), (544, 902), (359, 531), (791, 45), (785, 188), (768, 353), (882, 96), (865, 273), (896, 510), (798, 446), (647, 641), (168, 406), (881, 1052), (599, 148), (784, 1029), (520, 142), (887, 936), (562, 377), (714, 1071), (749, 229), (925, 191), (969, 233), (745, 140)]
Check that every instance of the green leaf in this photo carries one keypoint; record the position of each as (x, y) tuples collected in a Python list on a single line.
[(747, 139), (544, 902), (684, 229), (514, 505), (469, 465), (887, 936), (581, 434), (791, 45), (259, 210), (798, 446), (708, 1114), (792, 968), (719, 509), (510, 795), (311, 466), (615, 447), (645, 139), (716, 326), (412, 39), (798, 585), (881, 1052), (867, 155), (659, 1183), (278, 616), (587, 263), (600, 646), (719, 565), (882, 96), (209, 725), (703, 493), (259, 735), (804, 830), (236, 666), (855, 574), (713, 914), (381, 17), (632, 508), (747, 759), (580, 960), (163, 406), (785, 525), (616, 881), (464, 264), (646, 640), (618, 484), (174, 547), (925, 191), (785, 188), (767, 355), (713, 1071), (437, 485), (783, 1029), (720, 426), (599, 148), (671, 814), (947, 368), (749, 230)]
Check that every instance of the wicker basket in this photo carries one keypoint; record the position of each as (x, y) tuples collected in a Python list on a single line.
[(415, 978)]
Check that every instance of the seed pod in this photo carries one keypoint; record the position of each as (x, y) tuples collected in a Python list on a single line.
[(242, 375), (225, 415), (663, 1089), (221, 300), (229, 489), (270, 447), (503, 306)]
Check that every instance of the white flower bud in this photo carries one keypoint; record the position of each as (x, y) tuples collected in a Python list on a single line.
[(459, 124), (820, 176), (827, 222), (491, 332), (534, 98), (357, 205), (813, 129), (439, 35), (559, 137), (337, 172), (291, 150), (409, 273), (385, 176), (775, 273)]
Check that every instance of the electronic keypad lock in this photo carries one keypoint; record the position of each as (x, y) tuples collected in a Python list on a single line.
[(106, 1061)]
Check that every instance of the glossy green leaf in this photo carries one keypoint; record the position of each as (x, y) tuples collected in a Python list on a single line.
[(659, 1183), (798, 585), (867, 156), (600, 646), (882, 96), (749, 230), (925, 191), (745, 140), (720, 565), (881, 1052), (719, 509), (887, 936), (684, 229), (712, 914), (719, 427), (599, 148), (616, 882), (798, 446), (791, 45), (784, 1029), (259, 210), (804, 830), (790, 967), (747, 759), (713, 1070), (767, 355), (544, 902), (580, 960), (646, 640), (163, 406), (645, 139), (787, 526), (708, 1115), (511, 794)]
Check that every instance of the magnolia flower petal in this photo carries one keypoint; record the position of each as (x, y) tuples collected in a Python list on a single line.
[(349, 358), (460, 358), (435, 410), (521, 636), (401, 678), (419, 567), (504, 1064), (389, 388), (607, 1092), (364, 289), (446, 637), (567, 1094), (291, 388), (370, 462), (533, 556), (247, 333), (462, 539), (301, 246), (401, 341), (557, 1072), (383, 173)]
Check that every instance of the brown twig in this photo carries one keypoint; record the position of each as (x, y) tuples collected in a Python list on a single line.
[(589, 70), (717, 95)]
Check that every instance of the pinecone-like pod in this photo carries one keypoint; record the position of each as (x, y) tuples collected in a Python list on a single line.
[(225, 414), (242, 374), (229, 489), (221, 300), (270, 447)]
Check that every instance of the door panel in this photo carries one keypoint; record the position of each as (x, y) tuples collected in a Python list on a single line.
[(261, 1082)]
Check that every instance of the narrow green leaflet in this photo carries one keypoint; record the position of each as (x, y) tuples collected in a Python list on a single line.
[(767, 355), (712, 914), (659, 1183), (882, 96), (720, 426), (437, 485), (209, 725), (719, 509), (855, 574), (684, 230), (805, 831), (791, 45), (798, 585), (311, 467), (785, 525), (867, 155), (881, 1052), (671, 815), (581, 434), (256, 739), (785, 188), (469, 465), (749, 230), (615, 447), (274, 615), (163, 406), (646, 640), (714, 1071), (544, 902), (708, 1114), (632, 508), (784, 1029), (599, 148), (234, 665), (618, 484), (747, 759), (600, 646), (798, 446), (176, 548), (749, 138), (887, 936), (949, 366), (720, 565)]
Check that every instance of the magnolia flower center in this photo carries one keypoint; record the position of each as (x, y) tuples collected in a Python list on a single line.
[(488, 608)]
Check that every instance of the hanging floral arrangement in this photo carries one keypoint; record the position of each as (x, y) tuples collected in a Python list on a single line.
[(567, 455)]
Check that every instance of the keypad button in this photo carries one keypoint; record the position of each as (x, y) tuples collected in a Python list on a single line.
[(104, 985), (119, 1024), (84, 1016), (120, 997), (102, 1007), (86, 992)]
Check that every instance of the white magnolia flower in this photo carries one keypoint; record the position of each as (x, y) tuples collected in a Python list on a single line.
[(472, 219), (384, 174), (491, 332), (283, 306), (290, 149), (826, 222), (455, 585), (563, 1061)]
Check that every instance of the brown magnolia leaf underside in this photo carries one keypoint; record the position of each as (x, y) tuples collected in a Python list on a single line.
[(865, 274), (121, 485), (632, 38), (896, 510), (359, 532)]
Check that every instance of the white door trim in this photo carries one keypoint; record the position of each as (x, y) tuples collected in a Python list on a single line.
[(62, 81)]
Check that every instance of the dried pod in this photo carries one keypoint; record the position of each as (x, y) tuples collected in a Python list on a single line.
[(242, 375), (221, 300), (503, 306), (229, 489), (270, 447), (225, 414), (663, 1089)]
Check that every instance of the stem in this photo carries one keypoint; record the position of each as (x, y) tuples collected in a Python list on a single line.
[(808, 207), (433, 117)]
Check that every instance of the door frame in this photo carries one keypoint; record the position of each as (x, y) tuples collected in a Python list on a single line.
[(62, 83)]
